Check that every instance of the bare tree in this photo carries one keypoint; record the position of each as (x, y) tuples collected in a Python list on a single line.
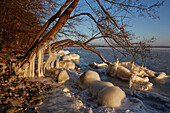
[(21, 20), (106, 18)]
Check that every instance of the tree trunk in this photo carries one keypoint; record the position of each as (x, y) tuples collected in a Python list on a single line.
[(58, 26)]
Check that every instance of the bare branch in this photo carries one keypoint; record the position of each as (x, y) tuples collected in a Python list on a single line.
[(71, 42), (45, 26)]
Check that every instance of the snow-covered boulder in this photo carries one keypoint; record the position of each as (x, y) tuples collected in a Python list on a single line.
[(74, 56), (111, 96), (97, 86), (67, 65), (62, 76), (66, 58), (87, 78), (70, 57)]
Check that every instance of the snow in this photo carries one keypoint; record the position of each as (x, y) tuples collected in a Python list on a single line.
[(69, 97)]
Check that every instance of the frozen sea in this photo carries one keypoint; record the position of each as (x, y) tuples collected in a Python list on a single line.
[(156, 100)]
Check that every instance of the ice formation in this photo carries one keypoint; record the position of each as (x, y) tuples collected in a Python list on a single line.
[(137, 75), (95, 65), (26, 69), (96, 86), (107, 94), (32, 65), (64, 52), (67, 64), (87, 77), (40, 55), (70, 57), (62, 76), (48, 62), (111, 96)]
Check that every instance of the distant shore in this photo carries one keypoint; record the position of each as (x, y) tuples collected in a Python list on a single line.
[(117, 46)]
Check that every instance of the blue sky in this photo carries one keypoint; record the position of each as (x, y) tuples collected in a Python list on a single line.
[(160, 29)]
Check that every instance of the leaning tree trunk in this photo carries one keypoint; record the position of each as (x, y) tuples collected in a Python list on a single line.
[(45, 26), (58, 26)]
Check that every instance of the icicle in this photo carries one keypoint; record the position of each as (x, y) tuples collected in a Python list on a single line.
[(52, 60), (47, 63), (26, 70), (55, 59), (58, 60), (40, 61), (32, 65)]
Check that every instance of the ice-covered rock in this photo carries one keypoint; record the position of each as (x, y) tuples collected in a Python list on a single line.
[(62, 76), (64, 52), (137, 75), (111, 96), (70, 57), (74, 56), (67, 65), (87, 77), (66, 58), (141, 85), (161, 75), (97, 86), (95, 65), (136, 79), (123, 73), (112, 68)]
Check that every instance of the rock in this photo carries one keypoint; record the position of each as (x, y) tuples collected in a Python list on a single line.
[(4, 101), (97, 86), (62, 76), (78, 69), (20, 86), (66, 90), (11, 110), (111, 96), (87, 77), (37, 97)]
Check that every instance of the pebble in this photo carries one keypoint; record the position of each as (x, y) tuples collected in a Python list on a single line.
[(66, 90), (25, 92)]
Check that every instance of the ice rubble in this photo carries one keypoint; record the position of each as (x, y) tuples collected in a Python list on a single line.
[(138, 76)]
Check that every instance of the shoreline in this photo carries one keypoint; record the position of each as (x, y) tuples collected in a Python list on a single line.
[(152, 47)]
